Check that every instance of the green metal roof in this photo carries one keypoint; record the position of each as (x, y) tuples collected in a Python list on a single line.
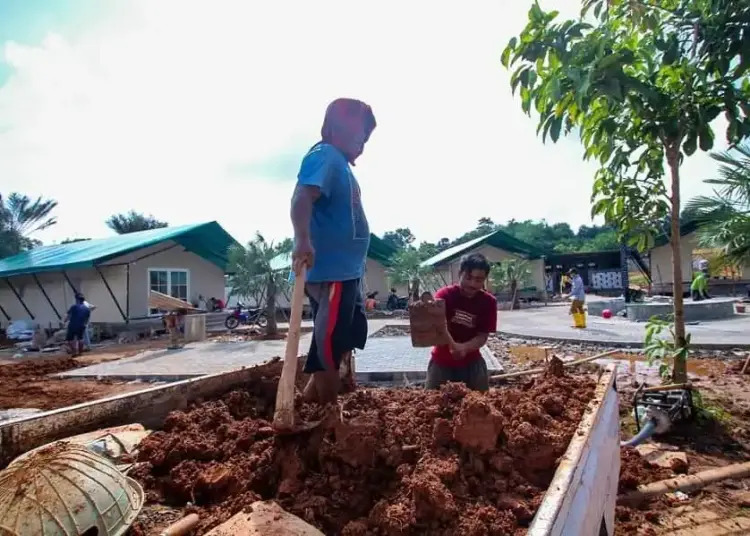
[(497, 239), (379, 251), (207, 240)]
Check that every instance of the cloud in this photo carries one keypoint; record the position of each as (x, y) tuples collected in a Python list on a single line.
[(192, 113)]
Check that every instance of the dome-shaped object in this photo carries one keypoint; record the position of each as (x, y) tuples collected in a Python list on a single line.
[(66, 490)]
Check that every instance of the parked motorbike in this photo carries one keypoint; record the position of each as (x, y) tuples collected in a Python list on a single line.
[(251, 316)]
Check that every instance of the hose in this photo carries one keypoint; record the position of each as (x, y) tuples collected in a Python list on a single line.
[(647, 431)]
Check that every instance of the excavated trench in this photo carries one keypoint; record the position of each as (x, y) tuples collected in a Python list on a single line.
[(399, 461)]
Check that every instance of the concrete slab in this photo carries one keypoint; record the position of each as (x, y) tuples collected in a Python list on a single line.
[(397, 354), (197, 359), (555, 324)]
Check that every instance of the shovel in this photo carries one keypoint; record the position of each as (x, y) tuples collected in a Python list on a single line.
[(283, 417)]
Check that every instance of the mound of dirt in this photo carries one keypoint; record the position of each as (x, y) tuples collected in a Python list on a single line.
[(400, 461), (35, 369)]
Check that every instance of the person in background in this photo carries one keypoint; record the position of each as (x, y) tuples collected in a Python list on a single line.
[(371, 302), (219, 304), (202, 303), (331, 239), (578, 297), (87, 331), (392, 303), (471, 315), (699, 286), (211, 304), (564, 284), (77, 318)]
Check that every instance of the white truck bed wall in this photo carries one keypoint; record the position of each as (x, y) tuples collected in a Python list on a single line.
[(581, 499)]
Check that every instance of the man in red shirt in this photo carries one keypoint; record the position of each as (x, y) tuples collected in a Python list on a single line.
[(471, 315)]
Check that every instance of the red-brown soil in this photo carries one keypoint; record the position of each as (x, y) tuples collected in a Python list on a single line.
[(27, 385), (401, 461)]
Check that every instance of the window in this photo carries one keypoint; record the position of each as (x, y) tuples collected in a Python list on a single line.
[(173, 283)]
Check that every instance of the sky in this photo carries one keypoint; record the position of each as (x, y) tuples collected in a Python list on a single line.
[(198, 110)]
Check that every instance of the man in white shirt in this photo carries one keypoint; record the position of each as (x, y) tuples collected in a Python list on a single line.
[(86, 332)]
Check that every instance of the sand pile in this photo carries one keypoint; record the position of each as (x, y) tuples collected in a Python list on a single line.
[(402, 461)]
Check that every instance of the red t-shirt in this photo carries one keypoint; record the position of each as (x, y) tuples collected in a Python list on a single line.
[(467, 318)]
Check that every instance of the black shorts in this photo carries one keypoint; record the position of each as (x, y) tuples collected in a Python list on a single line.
[(340, 324), (74, 333), (473, 374)]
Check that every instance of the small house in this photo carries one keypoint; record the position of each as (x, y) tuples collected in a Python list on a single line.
[(115, 274)]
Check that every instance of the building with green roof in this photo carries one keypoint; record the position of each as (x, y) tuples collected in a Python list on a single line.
[(115, 274), (497, 247)]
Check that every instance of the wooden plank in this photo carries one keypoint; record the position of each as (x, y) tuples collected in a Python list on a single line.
[(584, 488), (157, 300)]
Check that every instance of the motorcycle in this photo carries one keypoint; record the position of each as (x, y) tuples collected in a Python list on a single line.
[(252, 316)]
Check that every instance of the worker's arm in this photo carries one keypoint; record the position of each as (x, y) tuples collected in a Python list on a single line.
[(474, 344), (313, 181), (302, 206)]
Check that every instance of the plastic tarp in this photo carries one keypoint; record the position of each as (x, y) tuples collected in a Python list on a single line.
[(20, 330)]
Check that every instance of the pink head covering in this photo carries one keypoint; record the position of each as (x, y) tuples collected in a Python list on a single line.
[(347, 126)]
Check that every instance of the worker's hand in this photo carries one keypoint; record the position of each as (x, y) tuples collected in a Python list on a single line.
[(458, 350), (303, 255)]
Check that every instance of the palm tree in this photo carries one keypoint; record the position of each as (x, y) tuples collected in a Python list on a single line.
[(724, 218), (132, 222), (511, 275), (20, 217), (254, 275)]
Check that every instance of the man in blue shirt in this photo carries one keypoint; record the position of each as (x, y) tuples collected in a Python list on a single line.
[(77, 319), (331, 238)]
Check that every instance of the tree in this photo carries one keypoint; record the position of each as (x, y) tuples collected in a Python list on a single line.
[(724, 217), (20, 217), (401, 238), (511, 275), (640, 84), (406, 269), (254, 275), (132, 222)]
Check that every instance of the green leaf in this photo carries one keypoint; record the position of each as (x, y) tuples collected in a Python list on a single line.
[(598, 10), (505, 58), (706, 137), (555, 128), (690, 144)]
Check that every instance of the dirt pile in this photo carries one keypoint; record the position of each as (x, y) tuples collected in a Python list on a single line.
[(27, 385), (401, 461)]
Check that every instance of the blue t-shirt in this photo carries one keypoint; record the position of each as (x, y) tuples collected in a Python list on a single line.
[(79, 315), (338, 230)]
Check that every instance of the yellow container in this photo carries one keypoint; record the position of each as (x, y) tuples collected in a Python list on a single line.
[(579, 320)]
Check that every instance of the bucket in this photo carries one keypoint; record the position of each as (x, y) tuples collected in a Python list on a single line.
[(427, 322)]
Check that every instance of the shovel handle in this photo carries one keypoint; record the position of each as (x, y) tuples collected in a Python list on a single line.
[(284, 415)]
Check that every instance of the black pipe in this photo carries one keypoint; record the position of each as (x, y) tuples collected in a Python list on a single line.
[(44, 293), (12, 288), (65, 275), (112, 294), (127, 292)]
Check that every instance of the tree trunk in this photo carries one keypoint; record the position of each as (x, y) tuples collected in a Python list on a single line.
[(415, 290), (514, 298), (272, 327), (679, 373)]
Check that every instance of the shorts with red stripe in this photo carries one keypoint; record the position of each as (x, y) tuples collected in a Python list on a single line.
[(340, 324)]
